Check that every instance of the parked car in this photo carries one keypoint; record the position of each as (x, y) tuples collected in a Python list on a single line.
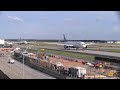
[(89, 64)]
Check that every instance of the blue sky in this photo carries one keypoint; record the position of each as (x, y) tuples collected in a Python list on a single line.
[(103, 25)]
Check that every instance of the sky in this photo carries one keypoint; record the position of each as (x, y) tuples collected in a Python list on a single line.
[(80, 25)]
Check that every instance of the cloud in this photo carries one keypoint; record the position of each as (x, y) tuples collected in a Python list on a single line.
[(116, 28), (99, 19), (43, 18), (68, 19), (14, 18)]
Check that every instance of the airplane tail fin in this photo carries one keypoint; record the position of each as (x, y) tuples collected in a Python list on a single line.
[(64, 38)]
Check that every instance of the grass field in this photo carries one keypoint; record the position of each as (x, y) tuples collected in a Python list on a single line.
[(40, 44), (68, 54), (107, 50), (76, 55)]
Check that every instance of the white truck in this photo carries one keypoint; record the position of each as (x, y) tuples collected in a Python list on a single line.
[(77, 71), (89, 64), (11, 61)]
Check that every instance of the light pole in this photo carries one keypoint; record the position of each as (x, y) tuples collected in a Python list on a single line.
[(23, 65), (9, 60), (23, 61)]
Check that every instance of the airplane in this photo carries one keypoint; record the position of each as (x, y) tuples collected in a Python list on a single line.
[(9, 43), (5, 44), (72, 44), (22, 42)]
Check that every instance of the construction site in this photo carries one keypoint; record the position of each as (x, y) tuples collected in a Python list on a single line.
[(69, 67)]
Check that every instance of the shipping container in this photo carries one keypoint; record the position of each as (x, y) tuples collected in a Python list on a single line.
[(77, 71)]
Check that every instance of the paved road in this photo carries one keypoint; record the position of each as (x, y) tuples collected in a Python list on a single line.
[(15, 71), (97, 52), (109, 48)]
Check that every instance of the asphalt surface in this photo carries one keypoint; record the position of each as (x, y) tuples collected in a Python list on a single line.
[(97, 52), (109, 48), (79, 51), (15, 71)]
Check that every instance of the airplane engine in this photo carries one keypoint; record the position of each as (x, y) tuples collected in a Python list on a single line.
[(65, 47), (86, 47)]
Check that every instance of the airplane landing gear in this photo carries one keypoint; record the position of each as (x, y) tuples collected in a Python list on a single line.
[(66, 48)]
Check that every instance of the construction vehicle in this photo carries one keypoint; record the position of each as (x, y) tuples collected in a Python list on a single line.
[(111, 73)]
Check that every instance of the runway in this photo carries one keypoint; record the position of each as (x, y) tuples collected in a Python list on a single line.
[(91, 52), (97, 52)]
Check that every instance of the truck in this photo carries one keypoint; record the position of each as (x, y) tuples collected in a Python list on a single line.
[(11, 61), (77, 71)]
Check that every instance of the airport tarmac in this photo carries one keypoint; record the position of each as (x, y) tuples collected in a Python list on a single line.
[(77, 51), (104, 48), (96, 52)]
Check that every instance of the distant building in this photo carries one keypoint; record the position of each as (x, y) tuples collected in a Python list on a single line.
[(110, 41), (2, 42), (117, 42)]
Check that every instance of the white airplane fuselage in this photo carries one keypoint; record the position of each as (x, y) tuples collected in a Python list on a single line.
[(73, 44)]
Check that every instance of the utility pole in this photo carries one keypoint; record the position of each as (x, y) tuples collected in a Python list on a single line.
[(23, 66)]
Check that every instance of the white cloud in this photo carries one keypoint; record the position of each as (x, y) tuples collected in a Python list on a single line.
[(116, 28), (14, 18), (44, 18), (99, 18), (68, 19)]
